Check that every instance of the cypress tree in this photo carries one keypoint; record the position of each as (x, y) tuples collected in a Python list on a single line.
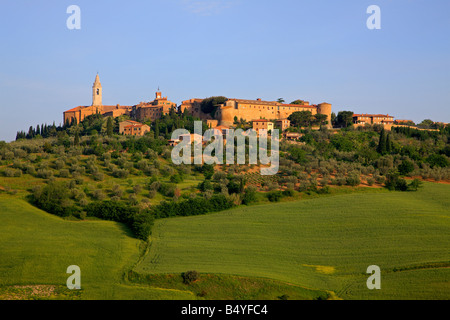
[(382, 143), (30, 134), (156, 129), (109, 127), (388, 144), (76, 140)]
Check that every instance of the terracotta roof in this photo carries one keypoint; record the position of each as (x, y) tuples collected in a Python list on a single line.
[(372, 115), (132, 121), (299, 105), (75, 109), (261, 120), (272, 103), (221, 127), (135, 126), (192, 100), (103, 106)]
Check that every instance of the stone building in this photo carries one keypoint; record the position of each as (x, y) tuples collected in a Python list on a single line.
[(283, 124), (225, 115), (136, 129), (153, 110), (262, 124), (381, 119), (143, 111), (253, 109), (81, 112)]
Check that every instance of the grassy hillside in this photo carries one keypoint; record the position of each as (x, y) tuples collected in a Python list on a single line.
[(36, 248), (298, 250), (325, 243)]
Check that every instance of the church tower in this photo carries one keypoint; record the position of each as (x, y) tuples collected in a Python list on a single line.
[(158, 94), (97, 92)]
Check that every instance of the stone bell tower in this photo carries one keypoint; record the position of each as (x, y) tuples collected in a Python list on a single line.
[(97, 92)]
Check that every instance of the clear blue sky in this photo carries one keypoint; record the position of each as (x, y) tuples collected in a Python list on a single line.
[(316, 50)]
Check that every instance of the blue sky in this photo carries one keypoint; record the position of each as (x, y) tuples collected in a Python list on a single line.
[(316, 50)]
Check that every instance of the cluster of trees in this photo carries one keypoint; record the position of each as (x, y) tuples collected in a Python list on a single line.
[(139, 221), (194, 206), (306, 119), (395, 182), (210, 105), (168, 123), (42, 131)]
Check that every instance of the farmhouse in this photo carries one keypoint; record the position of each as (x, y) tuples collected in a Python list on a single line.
[(136, 129), (381, 119)]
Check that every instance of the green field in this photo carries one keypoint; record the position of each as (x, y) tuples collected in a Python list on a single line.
[(324, 243), (36, 248), (299, 250)]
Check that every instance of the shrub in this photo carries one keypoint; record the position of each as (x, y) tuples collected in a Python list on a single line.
[(353, 180), (137, 189), (288, 193), (121, 173), (370, 181), (249, 195), (205, 186), (155, 185), (167, 189), (274, 196), (394, 182), (189, 276), (324, 190), (176, 178), (406, 167), (117, 190), (151, 194), (64, 173), (54, 198), (8, 172), (98, 176), (133, 200), (29, 169), (44, 173), (99, 194), (415, 185), (380, 179), (438, 160)]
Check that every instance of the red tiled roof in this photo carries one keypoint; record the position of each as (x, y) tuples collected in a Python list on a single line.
[(135, 126), (273, 103), (298, 105), (75, 109), (103, 106), (372, 115), (132, 121)]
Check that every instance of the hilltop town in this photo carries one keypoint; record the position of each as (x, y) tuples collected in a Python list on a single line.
[(261, 114)]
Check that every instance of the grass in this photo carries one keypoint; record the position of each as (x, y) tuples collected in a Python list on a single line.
[(315, 248), (325, 243), (230, 287), (36, 248)]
